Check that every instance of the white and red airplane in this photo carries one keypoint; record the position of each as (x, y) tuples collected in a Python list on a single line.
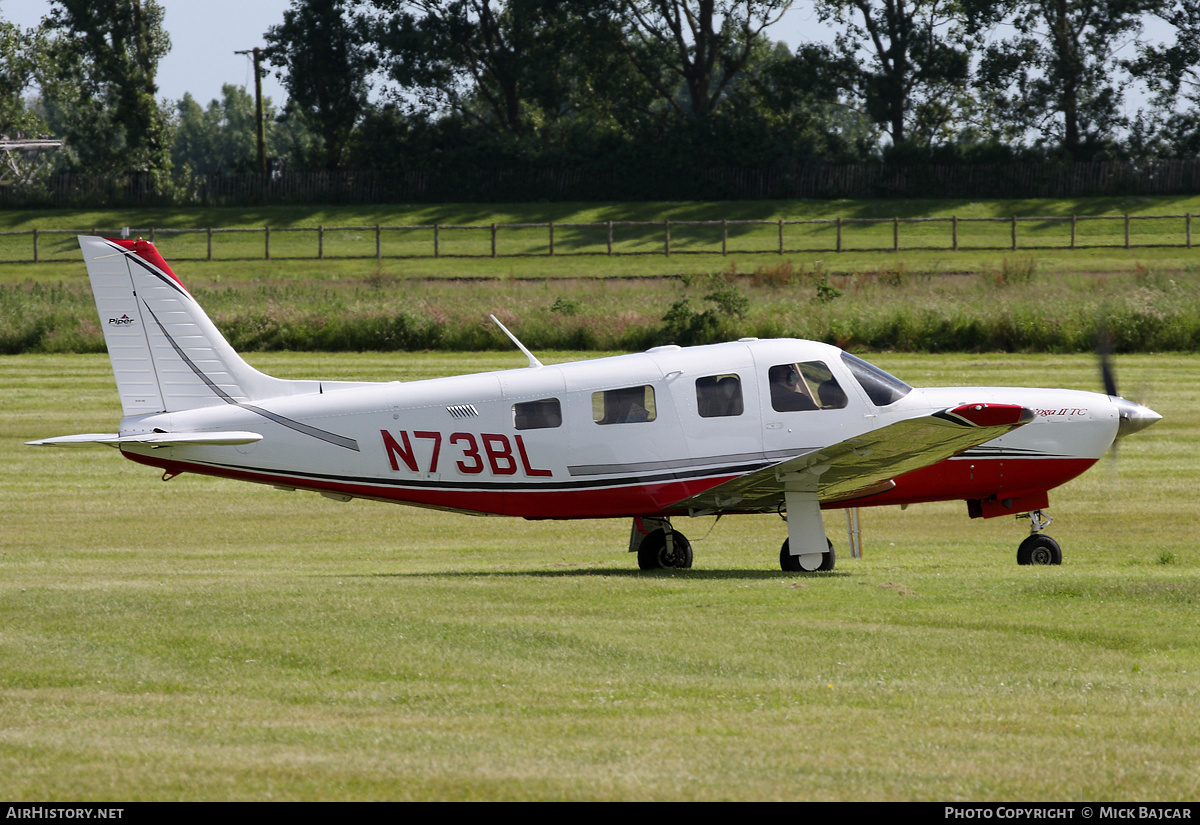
[(744, 427)]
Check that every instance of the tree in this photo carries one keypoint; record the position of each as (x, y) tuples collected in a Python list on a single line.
[(324, 62), (700, 46), (1058, 78), (507, 65), (221, 137), (22, 53), (1172, 72), (910, 64), (102, 95)]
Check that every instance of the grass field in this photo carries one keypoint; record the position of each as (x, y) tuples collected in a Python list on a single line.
[(926, 247), (204, 640)]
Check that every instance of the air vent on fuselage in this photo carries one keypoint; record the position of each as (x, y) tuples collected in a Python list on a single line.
[(462, 411)]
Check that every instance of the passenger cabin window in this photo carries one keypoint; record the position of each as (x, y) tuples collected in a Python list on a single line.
[(537, 415), (807, 385), (624, 406), (718, 396)]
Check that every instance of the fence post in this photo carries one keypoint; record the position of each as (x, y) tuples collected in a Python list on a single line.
[(839, 233), (667, 238), (781, 236), (320, 242), (493, 240), (209, 232), (35, 249), (1014, 232), (954, 232), (1188, 229), (610, 238), (1126, 230), (267, 243), (551, 239), (724, 236), (896, 234), (378, 244), (436, 240)]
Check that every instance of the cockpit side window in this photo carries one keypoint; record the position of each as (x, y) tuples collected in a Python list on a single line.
[(881, 387), (719, 396), (805, 385)]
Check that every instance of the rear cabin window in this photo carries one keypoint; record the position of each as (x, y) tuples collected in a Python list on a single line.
[(807, 385), (718, 396), (537, 415), (625, 406)]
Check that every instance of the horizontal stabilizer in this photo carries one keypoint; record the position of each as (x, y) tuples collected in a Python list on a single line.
[(227, 439)]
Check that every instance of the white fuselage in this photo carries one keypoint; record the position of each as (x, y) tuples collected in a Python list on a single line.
[(550, 442)]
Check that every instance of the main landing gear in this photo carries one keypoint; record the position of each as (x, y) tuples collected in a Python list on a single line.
[(658, 545), (807, 550), (807, 563), (1038, 549)]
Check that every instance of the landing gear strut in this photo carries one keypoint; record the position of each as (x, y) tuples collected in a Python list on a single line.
[(1038, 549), (805, 533)]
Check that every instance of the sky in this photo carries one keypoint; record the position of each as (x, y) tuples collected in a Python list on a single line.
[(205, 34)]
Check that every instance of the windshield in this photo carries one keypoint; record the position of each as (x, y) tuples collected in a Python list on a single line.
[(881, 387)]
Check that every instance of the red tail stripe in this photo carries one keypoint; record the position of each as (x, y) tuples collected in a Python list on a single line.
[(146, 251)]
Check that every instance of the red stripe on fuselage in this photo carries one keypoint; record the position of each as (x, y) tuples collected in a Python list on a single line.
[(957, 479), (977, 478), (594, 502)]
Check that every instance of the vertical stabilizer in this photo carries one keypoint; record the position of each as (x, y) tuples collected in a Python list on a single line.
[(166, 354)]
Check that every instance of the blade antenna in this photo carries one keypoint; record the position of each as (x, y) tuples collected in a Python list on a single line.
[(533, 362)]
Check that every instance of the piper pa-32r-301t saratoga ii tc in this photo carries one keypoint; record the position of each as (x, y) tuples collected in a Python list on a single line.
[(744, 427)]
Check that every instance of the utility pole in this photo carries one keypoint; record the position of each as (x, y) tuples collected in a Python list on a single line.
[(258, 108)]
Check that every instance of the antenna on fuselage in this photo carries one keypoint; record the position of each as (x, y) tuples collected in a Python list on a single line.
[(533, 362)]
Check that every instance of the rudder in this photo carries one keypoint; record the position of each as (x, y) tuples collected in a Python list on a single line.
[(166, 354)]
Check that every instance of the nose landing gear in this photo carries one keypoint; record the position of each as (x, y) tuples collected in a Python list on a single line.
[(1038, 548)]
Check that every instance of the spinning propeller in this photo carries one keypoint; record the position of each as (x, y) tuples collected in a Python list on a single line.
[(1133, 417)]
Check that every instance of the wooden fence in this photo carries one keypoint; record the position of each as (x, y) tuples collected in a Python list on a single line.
[(724, 237)]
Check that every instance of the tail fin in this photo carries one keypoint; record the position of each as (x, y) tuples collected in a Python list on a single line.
[(166, 354)]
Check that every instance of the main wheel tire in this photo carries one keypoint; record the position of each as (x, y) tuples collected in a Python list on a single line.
[(1039, 549), (791, 564), (654, 555)]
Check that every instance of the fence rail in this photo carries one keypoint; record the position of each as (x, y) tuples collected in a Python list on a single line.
[(725, 237)]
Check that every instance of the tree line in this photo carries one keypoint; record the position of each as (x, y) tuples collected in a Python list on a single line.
[(403, 86)]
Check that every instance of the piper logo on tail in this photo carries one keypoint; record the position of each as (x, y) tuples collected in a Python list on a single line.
[(123, 321)]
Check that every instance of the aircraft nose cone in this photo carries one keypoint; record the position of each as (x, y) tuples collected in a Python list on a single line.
[(1133, 417)]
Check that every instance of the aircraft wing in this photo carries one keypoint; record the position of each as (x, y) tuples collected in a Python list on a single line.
[(867, 463), (152, 439)]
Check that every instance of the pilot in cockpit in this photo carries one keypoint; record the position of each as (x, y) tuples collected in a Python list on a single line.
[(789, 392)]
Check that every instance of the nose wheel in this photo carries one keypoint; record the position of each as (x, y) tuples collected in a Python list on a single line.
[(1038, 548)]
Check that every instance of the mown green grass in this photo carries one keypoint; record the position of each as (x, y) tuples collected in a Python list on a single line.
[(204, 640), (638, 250)]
